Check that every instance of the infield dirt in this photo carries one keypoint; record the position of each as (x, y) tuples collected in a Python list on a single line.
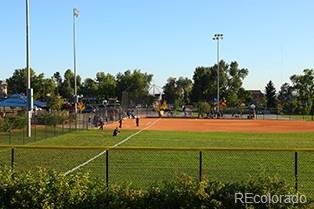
[(218, 125)]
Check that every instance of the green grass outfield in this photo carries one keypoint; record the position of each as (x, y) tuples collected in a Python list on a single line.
[(146, 167)]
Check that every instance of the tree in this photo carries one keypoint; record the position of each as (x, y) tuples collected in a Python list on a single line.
[(270, 91), (203, 89), (18, 81), (285, 99), (41, 87), (58, 78), (235, 81), (185, 87), (135, 83), (106, 85), (170, 90), (54, 103), (67, 86), (303, 85), (230, 82), (47, 88), (177, 92), (89, 88), (244, 97), (67, 90)]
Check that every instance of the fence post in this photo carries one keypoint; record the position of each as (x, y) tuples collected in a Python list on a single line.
[(75, 122), (62, 127), (200, 166), (87, 124), (10, 136), (12, 158), (107, 168), (35, 130), (296, 170), (45, 131), (23, 135)]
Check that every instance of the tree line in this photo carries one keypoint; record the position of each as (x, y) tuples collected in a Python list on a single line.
[(58, 88), (297, 97), (132, 87)]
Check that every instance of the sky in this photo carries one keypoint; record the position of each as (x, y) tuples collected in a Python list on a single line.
[(273, 39)]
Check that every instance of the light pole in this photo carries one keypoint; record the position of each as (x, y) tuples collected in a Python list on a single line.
[(29, 90), (218, 37), (76, 13)]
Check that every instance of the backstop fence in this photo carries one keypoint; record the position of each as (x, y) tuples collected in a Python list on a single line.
[(229, 113), (142, 167)]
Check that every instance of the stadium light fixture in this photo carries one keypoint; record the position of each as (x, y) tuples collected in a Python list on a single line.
[(218, 37)]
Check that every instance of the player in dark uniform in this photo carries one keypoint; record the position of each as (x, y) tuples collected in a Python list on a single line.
[(116, 132), (120, 123)]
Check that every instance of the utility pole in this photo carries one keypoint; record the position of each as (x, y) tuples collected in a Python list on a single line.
[(29, 89), (76, 13)]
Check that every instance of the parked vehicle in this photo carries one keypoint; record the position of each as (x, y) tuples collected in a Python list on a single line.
[(89, 109)]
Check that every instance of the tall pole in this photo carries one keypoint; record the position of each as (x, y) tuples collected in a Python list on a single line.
[(218, 95), (217, 37), (75, 14), (29, 91)]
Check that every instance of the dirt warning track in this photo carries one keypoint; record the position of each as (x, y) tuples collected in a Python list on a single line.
[(219, 125)]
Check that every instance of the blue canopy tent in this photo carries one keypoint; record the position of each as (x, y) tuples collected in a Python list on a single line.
[(13, 102), (20, 102)]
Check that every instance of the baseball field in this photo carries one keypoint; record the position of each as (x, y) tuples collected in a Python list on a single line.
[(160, 149)]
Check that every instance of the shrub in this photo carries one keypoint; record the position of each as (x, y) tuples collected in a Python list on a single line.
[(13, 122), (45, 189), (203, 108), (53, 118)]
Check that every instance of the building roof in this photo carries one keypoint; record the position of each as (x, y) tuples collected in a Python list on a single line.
[(255, 91)]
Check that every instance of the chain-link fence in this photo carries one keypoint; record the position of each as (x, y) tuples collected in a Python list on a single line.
[(146, 166), (110, 114), (40, 130), (228, 113)]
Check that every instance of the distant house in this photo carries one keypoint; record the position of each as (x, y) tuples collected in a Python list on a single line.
[(258, 97), (3, 89)]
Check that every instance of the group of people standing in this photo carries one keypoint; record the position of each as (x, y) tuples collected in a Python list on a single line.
[(130, 116)]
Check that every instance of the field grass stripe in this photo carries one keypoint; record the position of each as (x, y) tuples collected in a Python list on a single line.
[(85, 163), (115, 145)]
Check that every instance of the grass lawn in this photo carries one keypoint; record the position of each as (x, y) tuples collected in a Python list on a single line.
[(144, 167)]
